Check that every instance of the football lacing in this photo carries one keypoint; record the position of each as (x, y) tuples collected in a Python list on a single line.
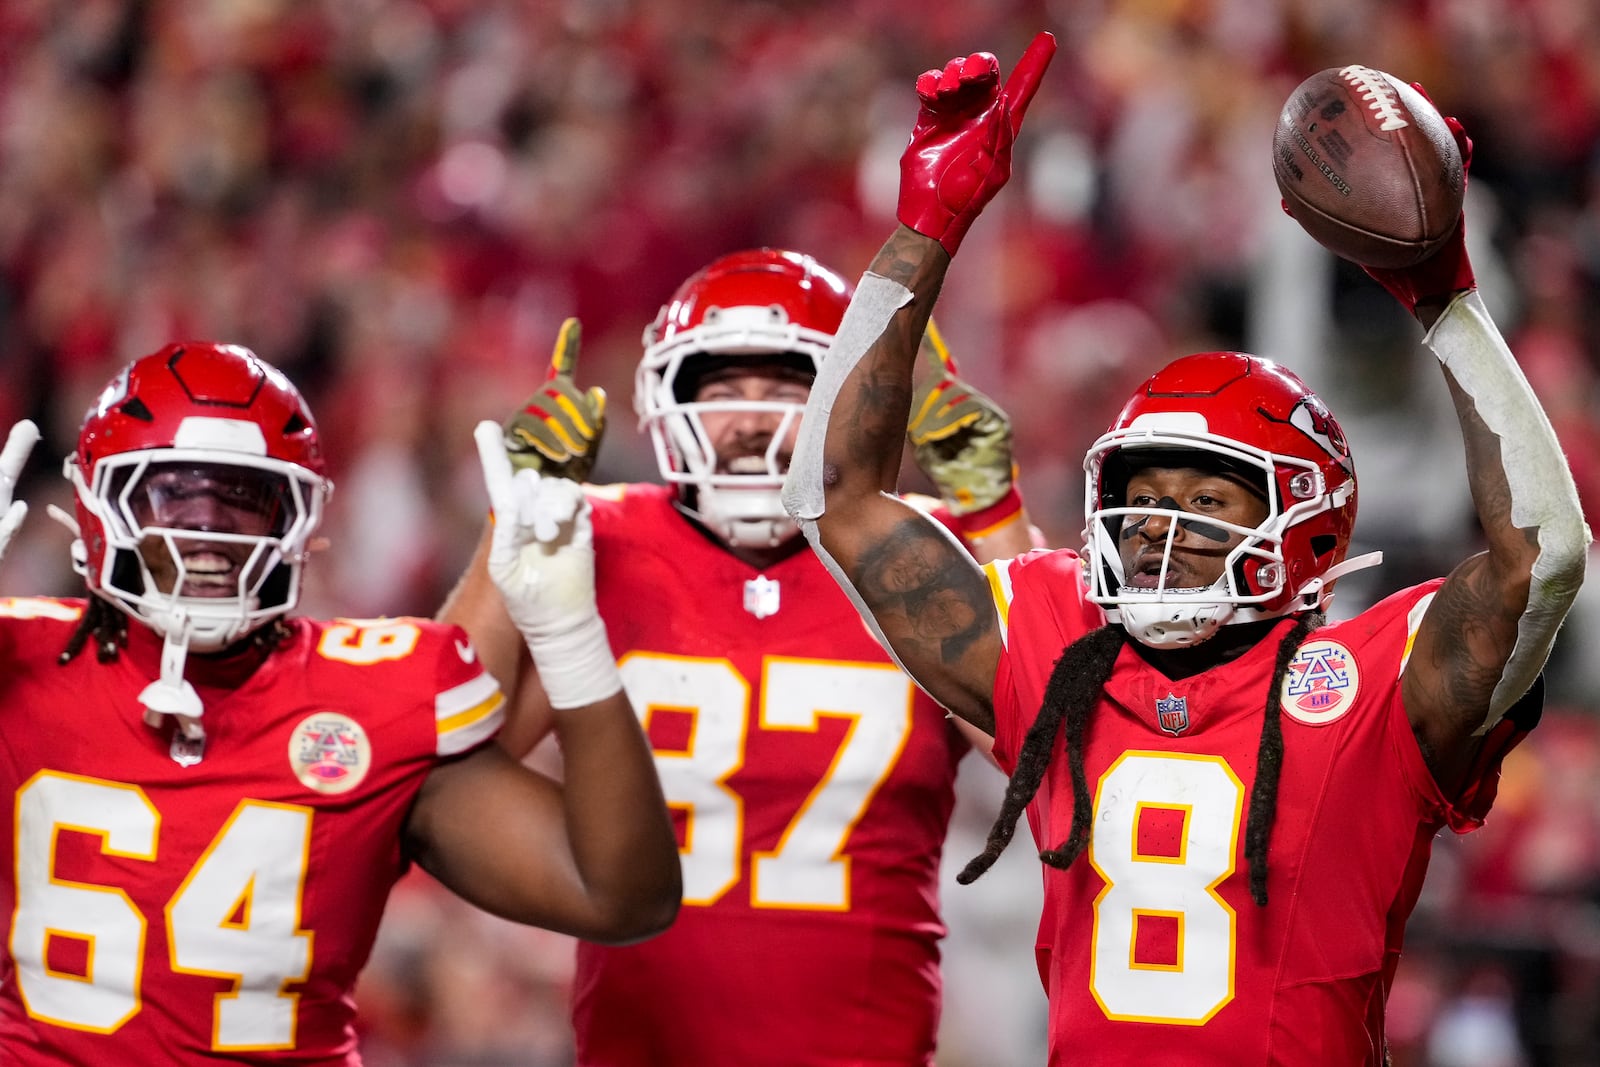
[(1379, 93)]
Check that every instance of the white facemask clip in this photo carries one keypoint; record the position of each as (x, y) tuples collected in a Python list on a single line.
[(171, 694)]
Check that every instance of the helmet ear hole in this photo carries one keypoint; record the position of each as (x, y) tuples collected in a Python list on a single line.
[(1322, 544)]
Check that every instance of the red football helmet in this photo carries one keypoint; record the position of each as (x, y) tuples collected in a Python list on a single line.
[(760, 303), (1257, 420), (202, 448)]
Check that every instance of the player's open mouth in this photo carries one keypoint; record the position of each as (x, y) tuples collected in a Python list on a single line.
[(754, 465), (1147, 575), (209, 574)]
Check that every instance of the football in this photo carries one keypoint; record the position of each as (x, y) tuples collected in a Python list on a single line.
[(1367, 167)]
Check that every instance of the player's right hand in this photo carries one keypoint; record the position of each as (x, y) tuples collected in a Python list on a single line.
[(541, 551), (557, 431), (1448, 271), (959, 155), (24, 435)]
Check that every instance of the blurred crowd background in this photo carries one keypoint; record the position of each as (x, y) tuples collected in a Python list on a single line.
[(398, 201)]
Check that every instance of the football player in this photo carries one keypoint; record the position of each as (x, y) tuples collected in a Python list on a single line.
[(1234, 798), (208, 798), (812, 782)]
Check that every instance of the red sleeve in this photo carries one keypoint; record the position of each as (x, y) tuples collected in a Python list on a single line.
[(1043, 609)]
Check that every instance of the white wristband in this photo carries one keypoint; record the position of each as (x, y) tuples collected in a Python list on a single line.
[(575, 665)]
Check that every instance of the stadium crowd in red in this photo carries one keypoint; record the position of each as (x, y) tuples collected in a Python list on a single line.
[(399, 201)]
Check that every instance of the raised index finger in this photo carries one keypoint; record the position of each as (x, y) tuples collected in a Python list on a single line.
[(564, 359), (24, 435), (1024, 80), (497, 472)]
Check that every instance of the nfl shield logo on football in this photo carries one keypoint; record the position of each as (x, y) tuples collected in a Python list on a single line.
[(1172, 713), (761, 597)]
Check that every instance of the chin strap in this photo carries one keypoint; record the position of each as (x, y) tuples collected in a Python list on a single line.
[(1312, 592), (171, 694), (80, 554)]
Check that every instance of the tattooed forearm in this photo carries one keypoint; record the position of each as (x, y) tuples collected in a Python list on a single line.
[(914, 261), (878, 421), (869, 418), (925, 590)]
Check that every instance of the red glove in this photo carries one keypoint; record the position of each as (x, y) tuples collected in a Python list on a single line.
[(1448, 271), (960, 150)]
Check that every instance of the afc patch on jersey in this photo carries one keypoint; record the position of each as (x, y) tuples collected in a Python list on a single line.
[(329, 752), (1321, 683)]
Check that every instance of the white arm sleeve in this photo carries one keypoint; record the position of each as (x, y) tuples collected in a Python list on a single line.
[(1543, 496), (875, 301)]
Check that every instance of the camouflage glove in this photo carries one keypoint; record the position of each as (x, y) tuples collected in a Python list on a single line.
[(557, 430), (960, 437)]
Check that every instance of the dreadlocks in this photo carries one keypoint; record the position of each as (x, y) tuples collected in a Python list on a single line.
[(1070, 694), (109, 629), (1074, 687), (1269, 762)]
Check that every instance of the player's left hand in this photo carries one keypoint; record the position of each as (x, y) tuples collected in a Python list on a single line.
[(558, 429), (1448, 271), (960, 437), (541, 551), (959, 155), (24, 435)]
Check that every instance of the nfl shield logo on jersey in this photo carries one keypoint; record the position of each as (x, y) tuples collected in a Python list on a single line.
[(761, 597), (1172, 713)]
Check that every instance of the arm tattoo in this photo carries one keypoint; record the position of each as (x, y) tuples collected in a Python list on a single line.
[(902, 259), (1472, 661), (883, 405), (916, 575)]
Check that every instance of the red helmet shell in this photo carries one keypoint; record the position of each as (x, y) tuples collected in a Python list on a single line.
[(146, 404), (801, 291)]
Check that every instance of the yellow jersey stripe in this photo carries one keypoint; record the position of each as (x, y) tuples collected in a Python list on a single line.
[(999, 575), (467, 714), (465, 729), (1414, 623)]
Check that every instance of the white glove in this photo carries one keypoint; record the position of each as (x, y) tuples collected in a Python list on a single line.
[(541, 558), (24, 435)]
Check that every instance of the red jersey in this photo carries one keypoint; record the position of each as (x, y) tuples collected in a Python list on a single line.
[(1150, 947), (812, 783), (163, 910)]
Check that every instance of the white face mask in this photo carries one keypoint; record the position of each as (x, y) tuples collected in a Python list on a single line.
[(146, 505), (742, 505), (1169, 615)]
